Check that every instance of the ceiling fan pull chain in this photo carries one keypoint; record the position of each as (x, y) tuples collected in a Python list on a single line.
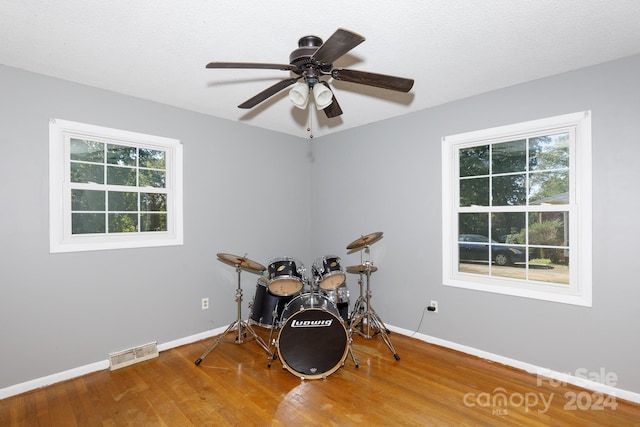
[(310, 123)]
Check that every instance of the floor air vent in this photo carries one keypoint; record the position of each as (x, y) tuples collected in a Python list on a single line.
[(133, 355)]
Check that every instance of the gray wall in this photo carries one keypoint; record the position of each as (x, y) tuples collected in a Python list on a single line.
[(62, 311), (387, 177)]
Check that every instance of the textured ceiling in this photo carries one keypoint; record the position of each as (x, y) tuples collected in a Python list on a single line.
[(158, 49)]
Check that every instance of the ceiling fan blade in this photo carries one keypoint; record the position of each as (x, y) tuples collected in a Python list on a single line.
[(333, 110), (340, 42), (384, 81), (251, 65), (270, 91)]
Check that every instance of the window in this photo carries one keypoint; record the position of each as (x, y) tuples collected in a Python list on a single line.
[(517, 209), (111, 189)]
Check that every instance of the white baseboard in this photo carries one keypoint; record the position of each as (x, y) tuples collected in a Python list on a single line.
[(557, 377), (190, 339), (52, 379), (533, 369), (94, 367)]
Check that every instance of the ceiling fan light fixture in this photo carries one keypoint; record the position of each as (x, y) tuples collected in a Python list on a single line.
[(322, 95), (299, 95)]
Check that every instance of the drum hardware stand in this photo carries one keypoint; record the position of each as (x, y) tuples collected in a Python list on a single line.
[(238, 324), (272, 341), (353, 355), (363, 312)]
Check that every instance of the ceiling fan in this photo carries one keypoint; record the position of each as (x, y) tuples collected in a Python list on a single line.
[(312, 60)]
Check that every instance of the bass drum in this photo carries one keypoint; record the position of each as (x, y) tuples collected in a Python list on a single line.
[(313, 342), (267, 308)]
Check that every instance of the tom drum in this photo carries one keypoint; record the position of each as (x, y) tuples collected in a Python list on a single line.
[(340, 297), (286, 276), (328, 272)]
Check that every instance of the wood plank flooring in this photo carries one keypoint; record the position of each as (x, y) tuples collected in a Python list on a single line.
[(428, 386)]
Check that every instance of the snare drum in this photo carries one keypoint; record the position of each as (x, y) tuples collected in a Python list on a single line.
[(328, 272), (313, 342), (267, 308), (286, 276)]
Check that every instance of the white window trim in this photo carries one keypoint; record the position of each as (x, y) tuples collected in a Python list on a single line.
[(580, 291), (60, 237)]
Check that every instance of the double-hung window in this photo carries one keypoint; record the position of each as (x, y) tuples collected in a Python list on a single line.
[(517, 209), (112, 189)]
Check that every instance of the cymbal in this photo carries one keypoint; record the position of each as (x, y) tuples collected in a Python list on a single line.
[(367, 240), (243, 262), (362, 268)]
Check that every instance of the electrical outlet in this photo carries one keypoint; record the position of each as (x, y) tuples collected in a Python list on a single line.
[(434, 304), (205, 303)]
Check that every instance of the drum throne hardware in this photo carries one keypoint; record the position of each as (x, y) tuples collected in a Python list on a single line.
[(364, 319), (240, 263)]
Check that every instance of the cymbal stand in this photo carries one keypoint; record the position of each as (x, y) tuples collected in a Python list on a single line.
[(239, 325), (363, 312)]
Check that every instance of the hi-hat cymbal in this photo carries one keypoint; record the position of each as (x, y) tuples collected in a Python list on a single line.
[(362, 268), (243, 262), (367, 240)]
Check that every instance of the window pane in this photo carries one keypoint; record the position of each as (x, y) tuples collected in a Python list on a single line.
[(508, 227), (121, 155), (84, 223), (549, 187), (474, 161), (152, 178), (152, 159), (123, 201), (509, 190), (473, 223), (153, 222), (509, 262), (121, 176), (549, 152), (153, 202), (87, 200), (548, 228), (509, 157), (86, 151), (84, 172), (473, 248), (123, 223), (549, 265), (474, 192)]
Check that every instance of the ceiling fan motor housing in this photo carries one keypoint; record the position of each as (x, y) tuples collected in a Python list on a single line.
[(301, 57)]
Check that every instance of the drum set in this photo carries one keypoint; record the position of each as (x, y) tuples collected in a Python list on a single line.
[(310, 326)]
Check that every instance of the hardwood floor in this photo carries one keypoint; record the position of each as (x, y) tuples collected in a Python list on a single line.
[(428, 386)]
